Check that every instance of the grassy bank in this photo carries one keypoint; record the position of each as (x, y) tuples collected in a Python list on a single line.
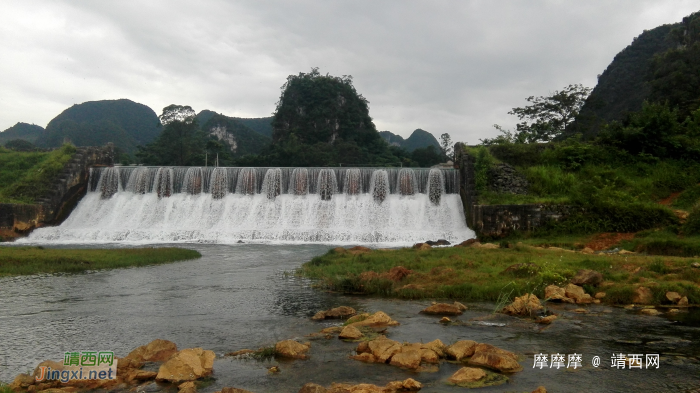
[(478, 274), (26, 176), (31, 260)]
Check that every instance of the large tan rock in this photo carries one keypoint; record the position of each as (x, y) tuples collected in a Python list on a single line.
[(22, 381), (187, 387), (292, 349), (466, 375), (156, 351), (540, 389), (337, 312), (486, 355), (383, 348), (312, 388), (392, 387), (525, 305), (407, 358), (587, 250), (642, 295), (683, 301), (673, 297), (443, 309), (577, 293), (350, 333), (187, 365), (378, 319), (587, 277), (461, 349), (553, 292), (436, 346)]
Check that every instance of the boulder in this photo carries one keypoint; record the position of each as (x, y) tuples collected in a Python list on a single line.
[(436, 346), (486, 355), (526, 305), (378, 319), (651, 311), (540, 389), (187, 365), (587, 277), (599, 295), (407, 358), (683, 301), (466, 375), (461, 349), (21, 382), (383, 348), (642, 295), (587, 250), (444, 309), (445, 320), (673, 297), (442, 242), (577, 293), (292, 349), (350, 333), (338, 312), (156, 351), (365, 357), (553, 292), (312, 388), (467, 243), (187, 387)]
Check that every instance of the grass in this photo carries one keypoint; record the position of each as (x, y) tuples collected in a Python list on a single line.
[(4, 388), (16, 261), (476, 274), (26, 176)]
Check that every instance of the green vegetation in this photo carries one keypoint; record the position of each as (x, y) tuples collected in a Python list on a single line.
[(95, 123), (33, 260), (26, 176), (4, 388), (478, 274), (419, 139), (27, 132)]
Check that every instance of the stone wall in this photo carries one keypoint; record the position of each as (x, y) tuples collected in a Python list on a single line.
[(499, 220), (66, 190)]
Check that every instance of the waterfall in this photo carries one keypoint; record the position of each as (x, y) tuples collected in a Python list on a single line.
[(143, 205)]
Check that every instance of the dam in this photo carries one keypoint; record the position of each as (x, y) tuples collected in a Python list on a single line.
[(226, 205)]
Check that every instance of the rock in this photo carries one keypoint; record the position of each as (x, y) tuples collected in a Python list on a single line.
[(312, 388), (599, 295), (526, 305), (350, 333), (436, 346), (338, 312), (383, 348), (650, 311), (143, 375), (467, 374), (504, 178), (461, 349), (155, 351), (460, 306), (240, 352), (581, 311), (486, 245), (411, 384), (587, 277), (587, 250), (683, 301), (273, 369), (673, 297), (486, 355), (642, 295), (187, 365), (695, 265), (407, 358), (445, 320), (442, 242), (331, 330), (540, 389), (22, 381), (443, 309), (378, 319), (187, 387), (553, 292), (467, 243), (577, 293), (398, 273), (547, 320), (674, 310), (366, 357), (422, 246), (623, 252), (291, 349), (392, 387), (233, 390)]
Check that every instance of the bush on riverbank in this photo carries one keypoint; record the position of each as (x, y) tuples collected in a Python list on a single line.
[(32, 260), (476, 274)]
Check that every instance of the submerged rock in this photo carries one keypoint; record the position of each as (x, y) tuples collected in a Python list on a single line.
[(337, 312), (292, 349), (406, 385), (232, 390), (540, 389), (467, 374), (378, 319), (486, 355)]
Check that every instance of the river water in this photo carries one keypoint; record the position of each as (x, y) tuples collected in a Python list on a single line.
[(241, 296)]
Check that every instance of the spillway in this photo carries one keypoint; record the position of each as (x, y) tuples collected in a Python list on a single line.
[(146, 205)]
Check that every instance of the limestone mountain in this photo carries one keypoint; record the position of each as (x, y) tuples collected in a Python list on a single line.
[(240, 139), (418, 139), (125, 123), (261, 125), (27, 132)]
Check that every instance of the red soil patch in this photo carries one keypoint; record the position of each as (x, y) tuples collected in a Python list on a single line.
[(670, 199), (604, 241)]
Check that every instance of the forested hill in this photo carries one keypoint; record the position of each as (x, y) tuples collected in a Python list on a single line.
[(27, 132), (418, 139), (623, 86), (261, 125), (241, 140), (125, 123)]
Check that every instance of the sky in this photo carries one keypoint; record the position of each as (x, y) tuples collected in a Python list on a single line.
[(453, 67)]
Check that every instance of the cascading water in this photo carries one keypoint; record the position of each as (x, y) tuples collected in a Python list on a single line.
[(280, 205)]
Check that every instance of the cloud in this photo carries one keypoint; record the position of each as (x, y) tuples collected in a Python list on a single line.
[(444, 66)]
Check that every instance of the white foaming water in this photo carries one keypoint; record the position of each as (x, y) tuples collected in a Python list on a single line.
[(209, 205)]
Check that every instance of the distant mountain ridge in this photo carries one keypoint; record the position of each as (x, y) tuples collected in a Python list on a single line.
[(418, 139), (25, 131)]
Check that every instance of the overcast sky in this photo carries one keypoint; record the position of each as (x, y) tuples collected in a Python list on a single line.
[(443, 66)]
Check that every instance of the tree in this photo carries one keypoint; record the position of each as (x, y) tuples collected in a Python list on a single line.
[(546, 118), (446, 145), (172, 113), (181, 142)]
